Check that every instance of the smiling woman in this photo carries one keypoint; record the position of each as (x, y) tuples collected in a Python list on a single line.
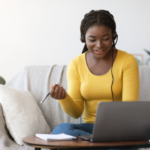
[(99, 42), (102, 73)]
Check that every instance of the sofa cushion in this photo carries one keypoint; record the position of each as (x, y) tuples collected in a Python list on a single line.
[(22, 115), (37, 79), (144, 72)]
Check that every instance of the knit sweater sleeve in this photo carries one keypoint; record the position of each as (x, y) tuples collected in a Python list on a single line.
[(73, 104), (130, 79)]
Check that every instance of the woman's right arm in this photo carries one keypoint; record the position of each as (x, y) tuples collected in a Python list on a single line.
[(73, 103)]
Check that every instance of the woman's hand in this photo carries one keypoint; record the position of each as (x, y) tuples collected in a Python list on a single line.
[(57, 91)]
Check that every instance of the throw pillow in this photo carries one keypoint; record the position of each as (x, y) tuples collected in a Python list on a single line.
[(22, 114)]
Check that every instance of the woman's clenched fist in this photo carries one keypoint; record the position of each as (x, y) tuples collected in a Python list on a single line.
[(57, 91)]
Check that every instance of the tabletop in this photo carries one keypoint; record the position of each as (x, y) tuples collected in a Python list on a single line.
[(39, 143)]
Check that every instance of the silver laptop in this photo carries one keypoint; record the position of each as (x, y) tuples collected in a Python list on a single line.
[(121, 121)]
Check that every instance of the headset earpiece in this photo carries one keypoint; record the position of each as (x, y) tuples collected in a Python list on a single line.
[(115, 38), (82, 38), (114, 35)]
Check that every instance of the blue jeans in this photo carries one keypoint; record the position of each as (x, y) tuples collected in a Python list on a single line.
[(76, 129)]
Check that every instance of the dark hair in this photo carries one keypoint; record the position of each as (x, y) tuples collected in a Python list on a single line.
[(98, 17)]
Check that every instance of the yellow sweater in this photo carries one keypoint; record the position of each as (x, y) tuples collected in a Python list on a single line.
[(85, 89)]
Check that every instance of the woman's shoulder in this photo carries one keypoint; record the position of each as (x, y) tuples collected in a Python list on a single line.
[(125, 55), (78, 59), (126, 58)]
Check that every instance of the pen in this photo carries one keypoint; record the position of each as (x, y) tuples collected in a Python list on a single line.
[(46, 96)]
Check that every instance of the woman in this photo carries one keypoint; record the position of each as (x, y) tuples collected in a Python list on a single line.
[(101, 73)]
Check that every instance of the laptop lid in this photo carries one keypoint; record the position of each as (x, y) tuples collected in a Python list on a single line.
[(122, 121)]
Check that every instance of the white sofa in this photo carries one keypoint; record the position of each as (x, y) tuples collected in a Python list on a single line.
[(37, 80)]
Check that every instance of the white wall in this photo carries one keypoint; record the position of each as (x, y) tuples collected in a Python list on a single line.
[(47, 32)]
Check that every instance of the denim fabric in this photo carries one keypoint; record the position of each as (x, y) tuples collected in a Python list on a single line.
[(74, 129), (78, 129)]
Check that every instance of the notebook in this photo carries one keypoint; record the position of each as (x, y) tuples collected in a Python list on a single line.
[(55, 137)]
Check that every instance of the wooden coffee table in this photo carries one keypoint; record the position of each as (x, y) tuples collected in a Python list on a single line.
[(81, 144)]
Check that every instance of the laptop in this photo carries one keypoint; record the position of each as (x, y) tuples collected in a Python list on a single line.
[(121, 121)]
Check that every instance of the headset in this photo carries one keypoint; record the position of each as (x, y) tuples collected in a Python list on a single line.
[(115, 37)]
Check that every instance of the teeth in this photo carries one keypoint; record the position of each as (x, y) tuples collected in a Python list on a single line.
[(99, 51)]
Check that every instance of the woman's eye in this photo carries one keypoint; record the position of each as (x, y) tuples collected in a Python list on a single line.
[(106, 39), (91, 40), (103, 40)]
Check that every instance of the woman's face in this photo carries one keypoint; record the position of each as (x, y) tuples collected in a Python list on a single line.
[(99, 40)]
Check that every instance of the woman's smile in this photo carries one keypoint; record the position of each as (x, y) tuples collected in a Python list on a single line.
[(99, 51)]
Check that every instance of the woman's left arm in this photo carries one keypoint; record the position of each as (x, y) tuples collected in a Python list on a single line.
[(131, 81)]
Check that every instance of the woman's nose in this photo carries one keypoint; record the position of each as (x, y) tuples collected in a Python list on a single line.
[(99, 44)]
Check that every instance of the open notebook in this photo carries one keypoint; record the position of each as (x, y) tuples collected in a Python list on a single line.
[(55, 137)]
